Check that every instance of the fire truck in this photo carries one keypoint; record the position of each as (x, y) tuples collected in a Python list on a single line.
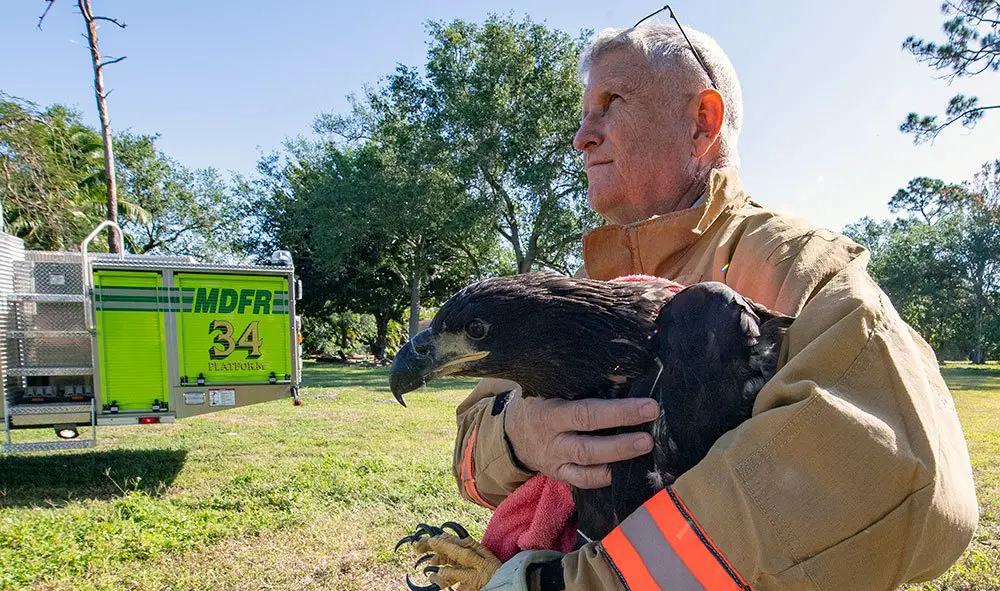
[(89, 340)]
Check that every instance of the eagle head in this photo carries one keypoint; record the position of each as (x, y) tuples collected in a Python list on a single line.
[(556, 336)]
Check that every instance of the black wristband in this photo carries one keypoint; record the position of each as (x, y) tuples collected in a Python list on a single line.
[(499, 402), (549, 576)]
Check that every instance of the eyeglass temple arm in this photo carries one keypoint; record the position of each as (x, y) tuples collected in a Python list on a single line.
[(697, 55)]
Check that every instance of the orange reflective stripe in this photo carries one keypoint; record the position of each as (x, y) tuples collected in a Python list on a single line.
[(704, 537), (661, 546), (690, 543), (468, 476), (628, 563)]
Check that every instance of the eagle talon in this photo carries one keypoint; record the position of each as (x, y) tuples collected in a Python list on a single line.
[(460, 531), (410, 539), (429, 530), (449, 558), (414, 587)]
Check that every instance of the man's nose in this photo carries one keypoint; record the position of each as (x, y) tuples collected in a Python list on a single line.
[(587, 136)]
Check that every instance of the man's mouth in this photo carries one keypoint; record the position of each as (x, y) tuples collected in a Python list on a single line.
[(593, 164)]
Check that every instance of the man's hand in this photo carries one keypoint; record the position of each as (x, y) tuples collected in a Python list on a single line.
[(545, 436)]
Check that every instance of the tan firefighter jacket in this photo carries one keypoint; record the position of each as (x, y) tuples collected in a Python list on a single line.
[(852, 474)]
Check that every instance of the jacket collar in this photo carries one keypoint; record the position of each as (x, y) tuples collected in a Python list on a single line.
[(612, 251)]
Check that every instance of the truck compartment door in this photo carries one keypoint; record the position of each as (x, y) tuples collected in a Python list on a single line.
[(132, 362)]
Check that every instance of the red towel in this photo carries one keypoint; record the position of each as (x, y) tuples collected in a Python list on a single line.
[(536, 516)]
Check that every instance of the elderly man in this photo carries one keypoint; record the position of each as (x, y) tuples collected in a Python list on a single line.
[(852, 474)]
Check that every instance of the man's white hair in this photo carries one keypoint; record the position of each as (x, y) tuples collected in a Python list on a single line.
[(667, 51)]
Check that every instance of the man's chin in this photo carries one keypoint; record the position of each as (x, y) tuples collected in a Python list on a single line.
[(607, 203)]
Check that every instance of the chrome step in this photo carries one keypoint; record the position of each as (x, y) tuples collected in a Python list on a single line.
[(47, 445), (49, 371), (44, 297), (46, 334), (51, 408)]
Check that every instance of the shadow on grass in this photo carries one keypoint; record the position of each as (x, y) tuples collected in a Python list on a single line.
[(337, 375), (972, 371), (54, 479), (972, 377)]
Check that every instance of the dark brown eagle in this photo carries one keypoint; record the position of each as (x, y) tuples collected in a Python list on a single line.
[(703, 353)]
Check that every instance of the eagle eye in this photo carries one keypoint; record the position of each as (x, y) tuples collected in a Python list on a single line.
[(477, 329)]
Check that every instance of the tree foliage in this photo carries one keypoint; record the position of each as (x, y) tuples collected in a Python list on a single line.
[(437, 177), (940, 264), (51, 175), (191, 212), (362, 225), (971, 47), (502, 99)]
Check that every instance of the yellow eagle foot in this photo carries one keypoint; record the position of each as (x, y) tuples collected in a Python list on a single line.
[(451, 560)]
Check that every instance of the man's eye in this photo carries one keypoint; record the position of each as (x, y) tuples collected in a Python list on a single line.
[(477, 329), (611, 98)]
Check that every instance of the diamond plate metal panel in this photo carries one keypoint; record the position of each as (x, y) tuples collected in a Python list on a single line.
[(47, 445), (47, 409), (45, 334), (50, 371), (50, 352), (46, 297)]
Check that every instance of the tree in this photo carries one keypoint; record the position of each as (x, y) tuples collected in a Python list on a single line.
[(52, 175), (190, 212), (442, 223), (361, 227), (99, 62), (407, 197), (972, 253), (509, 97), (503, 100), (940, 265), (972, 47)]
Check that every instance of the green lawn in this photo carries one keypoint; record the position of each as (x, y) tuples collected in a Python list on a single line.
[(312, 497)]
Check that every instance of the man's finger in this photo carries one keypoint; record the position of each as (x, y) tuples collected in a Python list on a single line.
[(584, 476), (590, 450), (591, 415)]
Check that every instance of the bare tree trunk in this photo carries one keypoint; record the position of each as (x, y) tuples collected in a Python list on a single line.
[(102, 109), (381, 336), (978, 356), (414, 303)]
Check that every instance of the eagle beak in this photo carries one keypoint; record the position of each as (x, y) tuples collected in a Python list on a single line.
[(412, 364), (422, 359)]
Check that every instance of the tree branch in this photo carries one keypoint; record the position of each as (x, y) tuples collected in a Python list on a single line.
[(962, 115), (109, 62), (964, 12), (108, 19), (47, 9)]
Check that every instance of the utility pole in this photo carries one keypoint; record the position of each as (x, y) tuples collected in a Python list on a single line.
[(102, 107)]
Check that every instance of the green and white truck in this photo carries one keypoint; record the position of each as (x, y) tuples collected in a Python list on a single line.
[(93, 340)]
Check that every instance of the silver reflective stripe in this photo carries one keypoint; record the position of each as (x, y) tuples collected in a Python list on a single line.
[(153, 306), (127, 305), (663, 564), (128, 292)]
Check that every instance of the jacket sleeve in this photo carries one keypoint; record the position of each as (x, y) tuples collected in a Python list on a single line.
[(483, 463), (851, 474)]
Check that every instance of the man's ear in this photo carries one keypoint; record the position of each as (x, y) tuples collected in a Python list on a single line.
[(709, 111)]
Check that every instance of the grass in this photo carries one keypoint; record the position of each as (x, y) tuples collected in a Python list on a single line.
[(312, 497)]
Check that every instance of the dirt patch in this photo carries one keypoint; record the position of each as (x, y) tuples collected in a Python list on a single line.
[(316, 556), (234, 419)]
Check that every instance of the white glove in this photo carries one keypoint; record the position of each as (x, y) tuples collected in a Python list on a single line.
[(513, 575)]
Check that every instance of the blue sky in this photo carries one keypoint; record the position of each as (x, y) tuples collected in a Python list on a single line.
[(825, 84)]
